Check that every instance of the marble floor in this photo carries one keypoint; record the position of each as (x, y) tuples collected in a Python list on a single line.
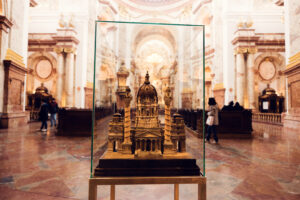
[(35, 165)]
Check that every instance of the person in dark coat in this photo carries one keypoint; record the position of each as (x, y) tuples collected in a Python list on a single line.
[(53, 112), (229, 107), (44, 110), (238, 107), (213, 112)]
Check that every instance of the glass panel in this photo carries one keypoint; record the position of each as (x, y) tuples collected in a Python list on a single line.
[(172, 56)]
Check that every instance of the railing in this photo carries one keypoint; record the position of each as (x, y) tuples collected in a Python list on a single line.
[(273, 118)]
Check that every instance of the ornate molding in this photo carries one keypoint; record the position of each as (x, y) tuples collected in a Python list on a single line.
[(58, 50), (219, 86), (242, 50), (65, 49), (70, 50), (5, 24), (294, 60), (33, 3), (14, 57)]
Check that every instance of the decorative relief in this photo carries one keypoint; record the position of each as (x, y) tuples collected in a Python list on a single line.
[(44, 69), (267, 69), (295, 94), (15, 90)]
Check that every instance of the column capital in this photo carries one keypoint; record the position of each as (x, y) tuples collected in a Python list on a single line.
[(242, 50), (58, 50), (70, 50), (252, 50)]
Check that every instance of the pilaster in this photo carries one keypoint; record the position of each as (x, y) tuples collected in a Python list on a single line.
[(13, 99), (291, 119)]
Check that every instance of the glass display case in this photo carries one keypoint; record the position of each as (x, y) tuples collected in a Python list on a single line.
[(151, 77)]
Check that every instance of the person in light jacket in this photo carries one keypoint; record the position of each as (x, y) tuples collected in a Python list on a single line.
[(214, 112)]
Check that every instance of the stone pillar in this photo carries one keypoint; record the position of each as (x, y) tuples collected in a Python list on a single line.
[(250, 80), (240, 78), (244, 42), (70, 79), (66, 40), (60, 72)]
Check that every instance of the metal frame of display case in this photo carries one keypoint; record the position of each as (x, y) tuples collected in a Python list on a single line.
[(176, 180)]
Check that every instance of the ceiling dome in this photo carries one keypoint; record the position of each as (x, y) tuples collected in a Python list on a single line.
[(155, 6), (147, 92)]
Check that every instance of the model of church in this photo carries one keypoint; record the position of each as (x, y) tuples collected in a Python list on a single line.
[(136, 147), (147, 137)]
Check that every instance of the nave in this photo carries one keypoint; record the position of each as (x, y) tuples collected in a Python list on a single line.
[(37, 165)]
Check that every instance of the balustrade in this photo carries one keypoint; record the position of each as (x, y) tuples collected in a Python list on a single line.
[(267, 117)]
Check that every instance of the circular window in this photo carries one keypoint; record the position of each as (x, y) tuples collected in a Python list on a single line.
[(267, 70), (44, 69)]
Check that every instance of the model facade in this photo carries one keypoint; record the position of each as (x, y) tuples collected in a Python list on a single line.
[(146, 137)]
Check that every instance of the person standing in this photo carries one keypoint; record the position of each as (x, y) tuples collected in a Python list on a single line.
[(213, 119), (53, 112), (44, 110)]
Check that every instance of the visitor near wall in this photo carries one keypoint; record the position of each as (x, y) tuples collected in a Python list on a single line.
[(53, 112), (44, 115), (212, 120)]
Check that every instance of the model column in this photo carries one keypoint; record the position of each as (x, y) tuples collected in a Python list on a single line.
[(69, 77), (240, 77), (126, 146), (250, 78), (168, 99), (60, 69)]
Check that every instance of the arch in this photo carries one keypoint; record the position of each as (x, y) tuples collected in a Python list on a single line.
[(148, 145), (106, 72), (153, 145), (277, 82), (277, 59), (178, 146), (146, 32), (114, 146), (33, 60)]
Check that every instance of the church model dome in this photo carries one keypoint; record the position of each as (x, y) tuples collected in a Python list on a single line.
[(147, 105), (147, 92)]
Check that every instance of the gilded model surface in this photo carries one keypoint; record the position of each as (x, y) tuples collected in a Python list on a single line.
[(146, 137)]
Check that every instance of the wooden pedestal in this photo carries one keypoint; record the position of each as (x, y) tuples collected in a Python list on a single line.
[(176, 180)]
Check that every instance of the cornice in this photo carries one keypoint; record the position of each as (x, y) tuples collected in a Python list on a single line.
[(5, 24)]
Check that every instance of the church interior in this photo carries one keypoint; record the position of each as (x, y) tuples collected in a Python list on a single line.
[(132, 80)]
